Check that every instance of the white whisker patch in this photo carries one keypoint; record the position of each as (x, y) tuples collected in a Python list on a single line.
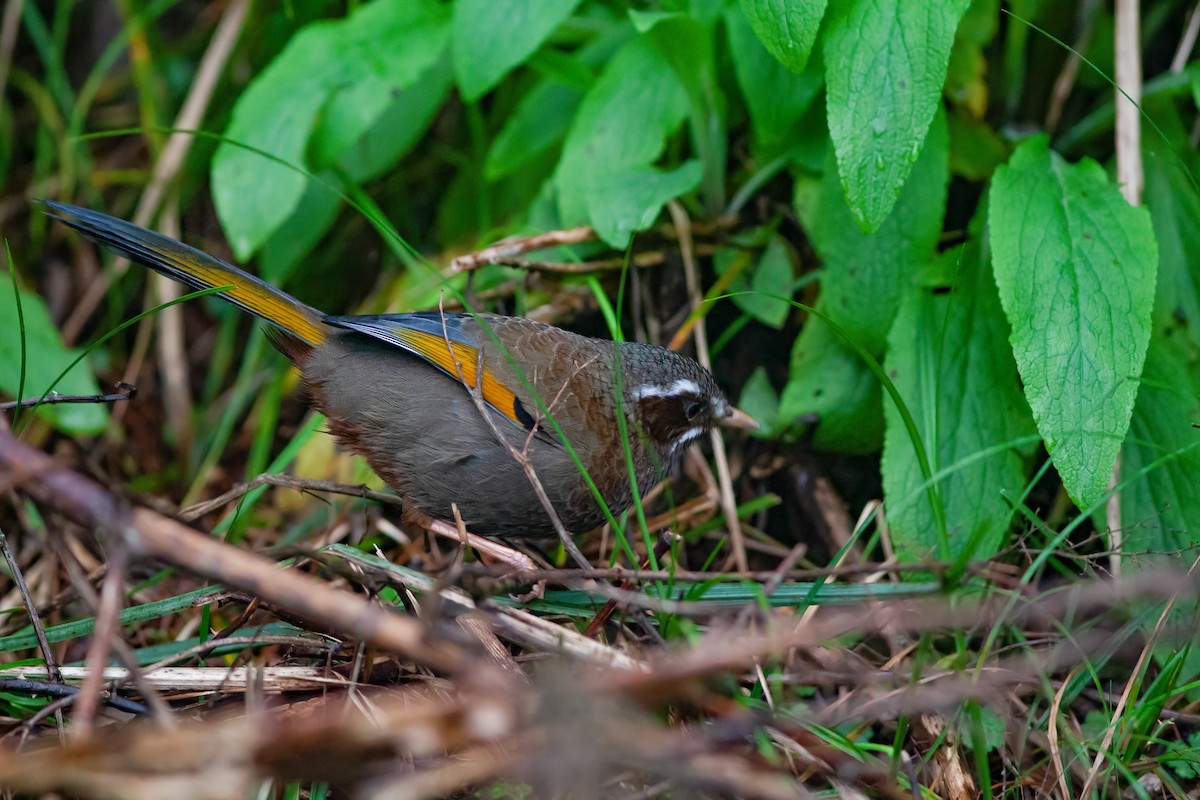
[(687, 436), (679, 387)]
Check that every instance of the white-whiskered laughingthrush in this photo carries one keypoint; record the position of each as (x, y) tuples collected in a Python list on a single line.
[(393, 392)]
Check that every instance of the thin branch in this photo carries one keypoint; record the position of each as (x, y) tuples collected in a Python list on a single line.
[(9, 28), (725, 481), (1065, 82), (35, 620), (160, 710), (57, 689), (1130, 178), (151, 535), (1188, 41), (510, 249), (194, 512), (125, 391)]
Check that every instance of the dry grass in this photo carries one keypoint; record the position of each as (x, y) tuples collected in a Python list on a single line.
[(435, 691)]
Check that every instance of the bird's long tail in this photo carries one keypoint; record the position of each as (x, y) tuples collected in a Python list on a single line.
[(196, 269)]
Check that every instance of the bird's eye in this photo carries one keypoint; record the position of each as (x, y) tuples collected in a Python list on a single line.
[(692, 409)]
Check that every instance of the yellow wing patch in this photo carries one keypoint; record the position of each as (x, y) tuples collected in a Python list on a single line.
[(433, 348)]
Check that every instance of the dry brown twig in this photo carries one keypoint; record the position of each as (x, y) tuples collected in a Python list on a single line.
[(683, 228), (150, 535), (473, 719), (514, 624), (103, 635), (513, 560), (52, 670), (661, 548), (507, 250)]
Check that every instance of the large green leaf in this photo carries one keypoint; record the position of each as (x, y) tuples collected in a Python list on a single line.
[(384, 47), (787, 28), (372, 144), (866, 273), (1076, 268), (295, 238), (390, 136), (776, 98), (491, 38), (621, 129), (45, 358), (947, 355), (884, 65)]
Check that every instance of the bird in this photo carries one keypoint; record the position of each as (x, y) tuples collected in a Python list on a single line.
[(455, 410)]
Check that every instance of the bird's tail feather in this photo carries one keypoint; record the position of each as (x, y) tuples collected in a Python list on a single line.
[(196, 269)]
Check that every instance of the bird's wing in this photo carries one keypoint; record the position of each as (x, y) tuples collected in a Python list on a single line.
[(451, 343)]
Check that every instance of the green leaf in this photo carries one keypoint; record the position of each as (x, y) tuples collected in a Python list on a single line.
[(992, 726), (46, 358), (539, 121), (394, 127), (631, 199), (966, 74), (386, 46), (491, 38), (1175, 211), (1184, 757), (865, 274), (975, 149), (299, 233), (759, 400), (772, 277), (1160, 511), (829, 380), (621, 129), (776, 98), (787, 28), (391, 135), (884, 66), (1076, 268), (948, 357), (687, 45)]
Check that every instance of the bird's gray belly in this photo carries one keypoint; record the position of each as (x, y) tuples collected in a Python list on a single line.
[(424, 434)]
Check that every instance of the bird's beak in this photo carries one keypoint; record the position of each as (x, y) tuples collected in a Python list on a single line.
[(737, 418)]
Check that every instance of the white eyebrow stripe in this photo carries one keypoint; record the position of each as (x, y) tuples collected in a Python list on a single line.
[(681, 386)]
